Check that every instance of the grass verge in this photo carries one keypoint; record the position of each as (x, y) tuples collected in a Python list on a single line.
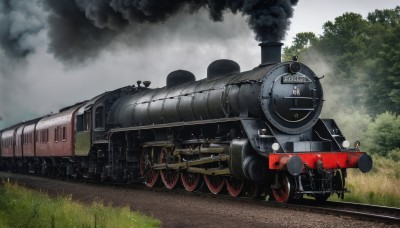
[(381, 186), (22, 207)]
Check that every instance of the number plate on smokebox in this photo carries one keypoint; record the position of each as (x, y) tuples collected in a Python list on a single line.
[(293, 79)]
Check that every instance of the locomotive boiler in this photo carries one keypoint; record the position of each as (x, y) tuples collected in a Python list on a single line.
[(256, 132)]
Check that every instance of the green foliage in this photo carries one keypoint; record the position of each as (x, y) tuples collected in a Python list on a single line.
[(301, 42), (395, 156), (21, 207), (383, 134), (363, 54)]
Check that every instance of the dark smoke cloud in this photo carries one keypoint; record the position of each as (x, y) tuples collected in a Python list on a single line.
[(269, 19), (20, 23), (80, 29)]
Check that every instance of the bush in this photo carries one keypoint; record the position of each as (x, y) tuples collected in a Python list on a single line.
[(383, 134), (395, 154)]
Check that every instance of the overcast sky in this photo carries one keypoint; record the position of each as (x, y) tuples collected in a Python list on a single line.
[(40, 84)]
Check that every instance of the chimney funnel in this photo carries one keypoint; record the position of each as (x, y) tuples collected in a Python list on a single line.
[(270, 52)]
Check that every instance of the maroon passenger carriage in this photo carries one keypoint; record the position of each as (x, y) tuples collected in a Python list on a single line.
[(55, 141), (8, 140), (41, 145)]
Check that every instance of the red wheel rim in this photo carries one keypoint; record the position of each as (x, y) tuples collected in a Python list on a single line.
[(214, 183), (234, 186), (169, 177), (190, 180), (282, 194), (150, 175)]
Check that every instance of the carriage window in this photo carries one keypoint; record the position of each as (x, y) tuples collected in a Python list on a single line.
[(99, 116), (64, 133), (56, 134)]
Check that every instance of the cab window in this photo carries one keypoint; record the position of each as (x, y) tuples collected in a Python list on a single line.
[(99, 117)]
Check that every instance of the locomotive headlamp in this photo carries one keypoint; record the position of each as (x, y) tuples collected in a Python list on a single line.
[(275, 146), (294, 67), (357, 144), (346, 144), (262, 132)]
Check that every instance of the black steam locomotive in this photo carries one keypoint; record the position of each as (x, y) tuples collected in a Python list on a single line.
[(255, 132)]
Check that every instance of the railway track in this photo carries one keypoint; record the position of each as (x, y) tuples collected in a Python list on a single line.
[(388, 215)]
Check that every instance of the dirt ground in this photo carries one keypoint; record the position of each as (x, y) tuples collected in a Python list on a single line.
[(175, 209)]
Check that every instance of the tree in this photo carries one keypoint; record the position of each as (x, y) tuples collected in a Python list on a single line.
[(384, 88), (363, 55), (383, 134), (301, 43)]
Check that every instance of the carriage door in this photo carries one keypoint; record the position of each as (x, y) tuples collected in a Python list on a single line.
[(83, 132)]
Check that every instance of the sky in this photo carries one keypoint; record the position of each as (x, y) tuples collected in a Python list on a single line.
[(41, 83)]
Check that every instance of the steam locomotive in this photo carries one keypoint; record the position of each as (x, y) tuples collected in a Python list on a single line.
[(255, 132)]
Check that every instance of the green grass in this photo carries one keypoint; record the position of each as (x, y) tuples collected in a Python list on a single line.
[(381, 186), (22, 207)]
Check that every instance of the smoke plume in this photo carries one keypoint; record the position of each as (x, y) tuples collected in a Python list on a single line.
[(80, 29), (20, 23)]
